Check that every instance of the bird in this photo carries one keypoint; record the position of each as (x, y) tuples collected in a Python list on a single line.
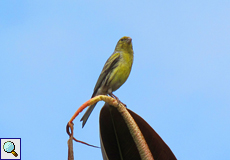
[(114, 73)]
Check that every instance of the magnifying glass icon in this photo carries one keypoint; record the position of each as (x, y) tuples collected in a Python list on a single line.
[(9, 147)]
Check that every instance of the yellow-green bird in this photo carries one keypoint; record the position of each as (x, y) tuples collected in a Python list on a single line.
[(114, 73)]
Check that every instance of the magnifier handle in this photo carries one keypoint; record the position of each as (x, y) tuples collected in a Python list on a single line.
[(14, 153)]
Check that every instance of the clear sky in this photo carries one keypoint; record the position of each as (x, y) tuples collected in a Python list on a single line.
[(52, 53)]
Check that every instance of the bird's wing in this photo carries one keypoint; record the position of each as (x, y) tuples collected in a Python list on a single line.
[(110, 64)]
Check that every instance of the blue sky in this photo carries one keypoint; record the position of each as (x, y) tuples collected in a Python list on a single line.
[(52, 53)]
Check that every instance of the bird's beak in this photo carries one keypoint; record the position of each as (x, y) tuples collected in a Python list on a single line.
[(129, 40)]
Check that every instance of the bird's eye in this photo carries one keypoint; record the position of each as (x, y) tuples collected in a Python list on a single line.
[(122, 39)]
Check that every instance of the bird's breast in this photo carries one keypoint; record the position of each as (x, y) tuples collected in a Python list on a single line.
[(121, 72)]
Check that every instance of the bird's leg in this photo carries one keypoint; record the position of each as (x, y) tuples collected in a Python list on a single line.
[(112, 95)]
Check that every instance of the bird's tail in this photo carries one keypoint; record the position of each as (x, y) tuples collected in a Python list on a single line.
[(87, 114)]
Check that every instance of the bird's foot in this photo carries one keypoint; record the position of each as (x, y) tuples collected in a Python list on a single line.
[(112, 95)]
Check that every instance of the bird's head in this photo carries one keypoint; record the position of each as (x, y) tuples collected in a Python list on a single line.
[(125, 43)]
